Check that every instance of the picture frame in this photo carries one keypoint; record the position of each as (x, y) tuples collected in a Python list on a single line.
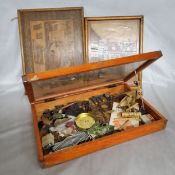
[(113, 37), (51, 38)]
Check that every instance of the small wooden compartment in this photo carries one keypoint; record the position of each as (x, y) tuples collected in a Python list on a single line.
[(61, 86)]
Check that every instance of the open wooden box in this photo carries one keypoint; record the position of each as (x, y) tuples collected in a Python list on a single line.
[(64, 85), (54, 38)]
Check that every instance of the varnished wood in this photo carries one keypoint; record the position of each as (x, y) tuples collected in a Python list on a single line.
[(29, 91), (21, 42), (50, 9), (157, 115), (37, 134), (97, 18), (93, 66)]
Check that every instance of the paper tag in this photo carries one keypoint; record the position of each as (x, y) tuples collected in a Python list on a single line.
[(115, 114), (123, 123)]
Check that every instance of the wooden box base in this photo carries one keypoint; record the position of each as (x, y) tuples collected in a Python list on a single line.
[(97, 144)]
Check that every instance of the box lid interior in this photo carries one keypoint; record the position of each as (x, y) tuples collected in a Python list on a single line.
[(90, 76), (45, 34)]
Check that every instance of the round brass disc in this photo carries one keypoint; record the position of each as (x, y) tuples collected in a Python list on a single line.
[(84, 120)]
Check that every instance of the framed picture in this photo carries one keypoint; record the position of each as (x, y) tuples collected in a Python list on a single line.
[(113, 37), (51, 38)]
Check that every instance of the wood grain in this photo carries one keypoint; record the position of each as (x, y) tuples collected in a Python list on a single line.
[(37, 135), (93, 66)]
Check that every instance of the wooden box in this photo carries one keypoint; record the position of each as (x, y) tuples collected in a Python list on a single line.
[(54, 78), (77, 83)]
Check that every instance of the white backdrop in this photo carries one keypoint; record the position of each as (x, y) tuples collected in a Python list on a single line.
[(153, 154)]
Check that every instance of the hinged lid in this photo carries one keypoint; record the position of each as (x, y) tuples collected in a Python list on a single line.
[(64, 81), (51, 38)]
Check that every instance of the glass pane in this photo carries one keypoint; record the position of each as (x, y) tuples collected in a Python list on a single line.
[(68, 83), (113, 38)]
